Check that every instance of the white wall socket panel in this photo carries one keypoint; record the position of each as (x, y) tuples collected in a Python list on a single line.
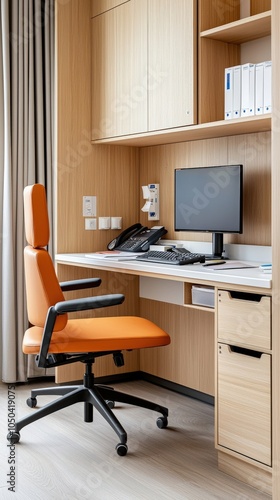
[(90, 224), (104, 222), (116, 222), (89, 206)]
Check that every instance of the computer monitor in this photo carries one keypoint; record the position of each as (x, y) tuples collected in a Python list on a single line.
[(209, 199)]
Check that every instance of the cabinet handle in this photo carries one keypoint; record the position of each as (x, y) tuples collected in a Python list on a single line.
[(245, 352), (252, 297)]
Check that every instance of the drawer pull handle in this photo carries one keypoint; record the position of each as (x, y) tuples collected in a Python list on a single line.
[(245, 352), (253, 297)]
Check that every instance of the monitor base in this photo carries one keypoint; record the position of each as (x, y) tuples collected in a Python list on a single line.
[(215, 257)]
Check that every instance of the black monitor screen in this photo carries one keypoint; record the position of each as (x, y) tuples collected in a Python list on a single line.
[(209, 199)]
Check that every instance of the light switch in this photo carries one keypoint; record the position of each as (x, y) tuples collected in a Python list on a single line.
[(89, 206)]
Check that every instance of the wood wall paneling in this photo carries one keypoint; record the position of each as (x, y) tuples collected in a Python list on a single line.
[(189, 359), (258, 6), (214, 13), (253, 151), (110, 174), (99, 6), (214, 57)]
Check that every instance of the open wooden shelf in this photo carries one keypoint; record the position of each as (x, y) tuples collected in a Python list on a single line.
[(244, 30), (222, 128)]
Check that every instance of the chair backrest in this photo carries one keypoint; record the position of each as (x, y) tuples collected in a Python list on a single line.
[(42, 286)]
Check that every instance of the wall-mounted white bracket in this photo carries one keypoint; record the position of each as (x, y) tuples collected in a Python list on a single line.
[(151, 195)]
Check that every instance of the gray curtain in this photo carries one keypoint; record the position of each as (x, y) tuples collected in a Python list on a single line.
[(26, 155)]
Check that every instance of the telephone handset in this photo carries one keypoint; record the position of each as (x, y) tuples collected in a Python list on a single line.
[(126, 234), (137, 238)]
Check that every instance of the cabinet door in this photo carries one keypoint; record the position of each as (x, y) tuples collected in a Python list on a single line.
[(171, 63), (244, 403), (119, 71)]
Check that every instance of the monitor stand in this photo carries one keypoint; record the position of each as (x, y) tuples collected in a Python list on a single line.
[(217, 247)]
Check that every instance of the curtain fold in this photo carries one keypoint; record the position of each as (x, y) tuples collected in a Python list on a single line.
[(26, 100)]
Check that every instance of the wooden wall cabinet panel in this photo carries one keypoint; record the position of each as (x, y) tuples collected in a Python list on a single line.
[(244, 403), (171, 63), (215, 56), (214, 13), (258, 6), (119, 71), (100, 6), (221, 34)]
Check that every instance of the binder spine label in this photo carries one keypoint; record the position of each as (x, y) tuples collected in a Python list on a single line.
[(228, 94)]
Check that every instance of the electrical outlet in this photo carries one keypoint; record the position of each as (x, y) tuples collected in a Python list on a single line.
[(116, 222), (90, 224), (104, 222)]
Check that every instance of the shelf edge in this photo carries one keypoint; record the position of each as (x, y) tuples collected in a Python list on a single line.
[(222, 128)]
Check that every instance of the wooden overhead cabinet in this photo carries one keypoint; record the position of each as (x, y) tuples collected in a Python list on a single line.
[(171, 63), (143, 67), (119, 69)]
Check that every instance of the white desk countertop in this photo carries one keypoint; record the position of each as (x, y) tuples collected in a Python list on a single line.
[(249, 276)]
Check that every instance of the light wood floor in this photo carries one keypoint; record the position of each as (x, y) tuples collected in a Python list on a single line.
[(62, 457)]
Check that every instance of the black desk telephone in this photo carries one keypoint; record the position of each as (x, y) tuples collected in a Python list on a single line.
[(137, 238)]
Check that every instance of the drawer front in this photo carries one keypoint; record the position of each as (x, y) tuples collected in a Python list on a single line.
[(244, 321), (244, 403)]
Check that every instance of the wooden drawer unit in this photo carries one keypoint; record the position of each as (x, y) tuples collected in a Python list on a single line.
[(244, 318), (244, 402)]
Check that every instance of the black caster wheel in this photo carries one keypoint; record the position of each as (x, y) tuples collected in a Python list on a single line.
[(162, 422), (111, 404), (121, 449), (31, 402), (13, 437)]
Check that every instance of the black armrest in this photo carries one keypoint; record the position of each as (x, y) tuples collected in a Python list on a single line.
[(87, 303), (71, 306), (67, 286)]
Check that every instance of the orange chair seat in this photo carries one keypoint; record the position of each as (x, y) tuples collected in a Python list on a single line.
[(98, 335)]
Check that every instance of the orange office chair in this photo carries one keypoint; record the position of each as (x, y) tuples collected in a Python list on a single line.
[(57, 340)]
